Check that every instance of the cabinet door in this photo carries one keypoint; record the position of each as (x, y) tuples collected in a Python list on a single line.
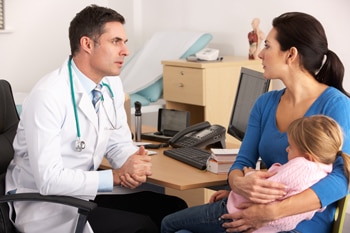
[(184, 85)]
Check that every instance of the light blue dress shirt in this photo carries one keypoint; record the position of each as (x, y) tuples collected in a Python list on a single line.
[(105, 176)]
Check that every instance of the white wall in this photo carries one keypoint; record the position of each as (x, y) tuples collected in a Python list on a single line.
[(36, 41), (230, 21), (38, 38)]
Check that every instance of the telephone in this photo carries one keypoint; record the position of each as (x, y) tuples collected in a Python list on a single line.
[(200, 135), (205, 55), (208, 54)]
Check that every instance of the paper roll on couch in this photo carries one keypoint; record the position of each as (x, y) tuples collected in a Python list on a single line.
[(142, 73)]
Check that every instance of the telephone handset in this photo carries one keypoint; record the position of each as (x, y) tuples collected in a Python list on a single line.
[(200, 135)]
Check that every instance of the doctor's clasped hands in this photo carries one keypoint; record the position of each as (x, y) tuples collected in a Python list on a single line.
[(135, 170)]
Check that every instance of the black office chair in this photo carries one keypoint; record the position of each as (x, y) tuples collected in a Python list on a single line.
[(8, 125)]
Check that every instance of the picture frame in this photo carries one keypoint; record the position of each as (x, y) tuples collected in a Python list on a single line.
[(2, 15)]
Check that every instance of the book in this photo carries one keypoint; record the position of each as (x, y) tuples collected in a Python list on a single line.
[(224, 155), (218, 167)]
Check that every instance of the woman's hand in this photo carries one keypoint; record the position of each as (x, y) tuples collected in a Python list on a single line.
[(248, 170), (255, 187), (219, 195), (252, 217)]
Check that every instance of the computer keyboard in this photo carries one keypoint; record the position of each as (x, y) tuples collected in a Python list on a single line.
[(190, 155)]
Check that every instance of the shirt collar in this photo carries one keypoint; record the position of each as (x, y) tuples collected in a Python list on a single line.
[(87, 83)]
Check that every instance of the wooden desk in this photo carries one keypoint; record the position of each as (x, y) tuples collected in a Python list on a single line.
[(170, 173), (180, 179)]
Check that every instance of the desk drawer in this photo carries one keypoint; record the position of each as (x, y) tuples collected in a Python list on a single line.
[(184, 85)]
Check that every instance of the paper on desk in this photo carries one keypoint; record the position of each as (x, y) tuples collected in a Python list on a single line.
[(151, 152), (226, 151), (141, 143)]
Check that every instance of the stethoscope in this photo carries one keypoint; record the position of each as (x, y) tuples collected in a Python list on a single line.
[(79, 143)]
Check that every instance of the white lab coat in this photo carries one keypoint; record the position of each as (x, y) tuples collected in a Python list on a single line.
[(46, 160)]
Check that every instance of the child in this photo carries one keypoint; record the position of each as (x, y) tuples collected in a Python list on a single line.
[(314, 144)]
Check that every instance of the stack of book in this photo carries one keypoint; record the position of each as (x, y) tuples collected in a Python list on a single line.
[(221, 160)]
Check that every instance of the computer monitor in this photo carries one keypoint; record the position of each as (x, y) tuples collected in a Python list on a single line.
[(251, 85)]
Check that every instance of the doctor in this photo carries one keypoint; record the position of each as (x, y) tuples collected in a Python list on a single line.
[(62, 139)]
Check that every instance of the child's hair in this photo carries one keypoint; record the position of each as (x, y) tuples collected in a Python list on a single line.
[(321, 137)]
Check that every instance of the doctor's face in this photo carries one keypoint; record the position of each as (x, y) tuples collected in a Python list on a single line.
[(109, 51)]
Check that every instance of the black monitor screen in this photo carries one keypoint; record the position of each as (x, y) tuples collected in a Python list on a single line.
[(171, 121), (251, 85)]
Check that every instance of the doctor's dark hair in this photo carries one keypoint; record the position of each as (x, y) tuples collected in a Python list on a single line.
[(307, 35), (90, 22)]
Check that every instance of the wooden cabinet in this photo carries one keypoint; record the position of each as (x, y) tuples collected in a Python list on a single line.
[(205, 89)]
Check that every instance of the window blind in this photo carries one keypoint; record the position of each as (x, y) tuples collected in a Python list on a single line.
[(2, 15)]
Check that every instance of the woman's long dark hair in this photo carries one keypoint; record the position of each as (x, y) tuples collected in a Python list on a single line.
[(304, 32)]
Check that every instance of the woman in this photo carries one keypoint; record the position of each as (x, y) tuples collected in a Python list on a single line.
[(314, 144), (296, 52)]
